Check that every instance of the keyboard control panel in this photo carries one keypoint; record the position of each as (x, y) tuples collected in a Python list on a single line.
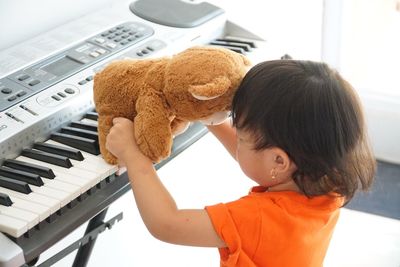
[(28, 81)]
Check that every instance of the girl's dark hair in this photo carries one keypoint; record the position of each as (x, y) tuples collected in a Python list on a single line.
[(314, 115)]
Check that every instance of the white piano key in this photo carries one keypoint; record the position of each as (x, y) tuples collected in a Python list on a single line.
[(12, 226), (40, 210), (86, 120), (62, 186), (52, 204), (61, 196), (84, 184), (77, 172), (31, 218), (90, 162)]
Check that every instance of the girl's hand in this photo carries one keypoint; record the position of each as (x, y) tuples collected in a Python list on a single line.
[(121, 142)]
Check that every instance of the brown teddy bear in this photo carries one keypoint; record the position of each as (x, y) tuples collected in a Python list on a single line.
[(163, 95)]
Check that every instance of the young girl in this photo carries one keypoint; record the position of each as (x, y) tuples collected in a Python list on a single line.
[(299, 133)]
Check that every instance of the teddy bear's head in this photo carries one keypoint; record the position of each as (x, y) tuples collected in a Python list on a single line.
[(162, 96), (200, 82)]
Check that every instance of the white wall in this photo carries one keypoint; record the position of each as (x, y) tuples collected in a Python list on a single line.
[(362, 40), (24, 19)]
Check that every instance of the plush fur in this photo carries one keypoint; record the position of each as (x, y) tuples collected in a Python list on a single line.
[(163, 95)]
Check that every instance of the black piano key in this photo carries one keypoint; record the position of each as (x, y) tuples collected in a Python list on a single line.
[(5, 200), (29, 167), (15, 185), (80, 132), (84, 126), (59, 150), (92, 115), (27, 177), (47, 157), (85, 144), (234, 49), (251, 44), (245, 47)]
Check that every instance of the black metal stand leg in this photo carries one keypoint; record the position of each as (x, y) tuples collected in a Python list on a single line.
[(83, 255)]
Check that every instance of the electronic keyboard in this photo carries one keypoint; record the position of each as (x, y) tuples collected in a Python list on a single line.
[(52, 176)]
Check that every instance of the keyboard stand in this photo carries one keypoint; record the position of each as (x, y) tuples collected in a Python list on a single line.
[(86, 243), (84, 251)]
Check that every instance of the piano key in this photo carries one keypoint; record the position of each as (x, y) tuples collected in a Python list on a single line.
[(52, 204), (80, 132), (42, 211), (47, 157), (31, 218), (15, 185), (94, 161), (244, 46), (77, 172), (83, 125), (12, 226), (233, 48), (5, 200), (89, 121), (62, 186), (250, 43), (29, 178), (92, 115), (62, 151), (32, 168), (63, 197), (81, 143)]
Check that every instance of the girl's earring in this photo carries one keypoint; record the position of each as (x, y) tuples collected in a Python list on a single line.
[(273, 173)]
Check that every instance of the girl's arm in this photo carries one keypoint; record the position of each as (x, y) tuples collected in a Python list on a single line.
[(226, 134), (156, 206)]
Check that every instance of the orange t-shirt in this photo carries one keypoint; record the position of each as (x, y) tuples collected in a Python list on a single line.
[(280, 229)]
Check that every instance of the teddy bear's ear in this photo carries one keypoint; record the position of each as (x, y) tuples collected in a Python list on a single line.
[(217, 87)]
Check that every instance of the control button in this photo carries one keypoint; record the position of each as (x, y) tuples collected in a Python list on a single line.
[(144, 51), (111, 45), (132, 33), (69, 91), (126, 30), (61, 94), (82, 82), (111, 36), (139, 54), (118, 33), (22, 93), (104, 34), (99, 40), (55, 97), (94, 54), (124, 42), (34, 82), (23, 77), (131, 39), (89, 78), (150, 48), (12, 98), (101, 51), (6, 91), (117, 39), (138, 35), (124, 36), (112, 30)]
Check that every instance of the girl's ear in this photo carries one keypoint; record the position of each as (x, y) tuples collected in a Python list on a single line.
[(281, 160)]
